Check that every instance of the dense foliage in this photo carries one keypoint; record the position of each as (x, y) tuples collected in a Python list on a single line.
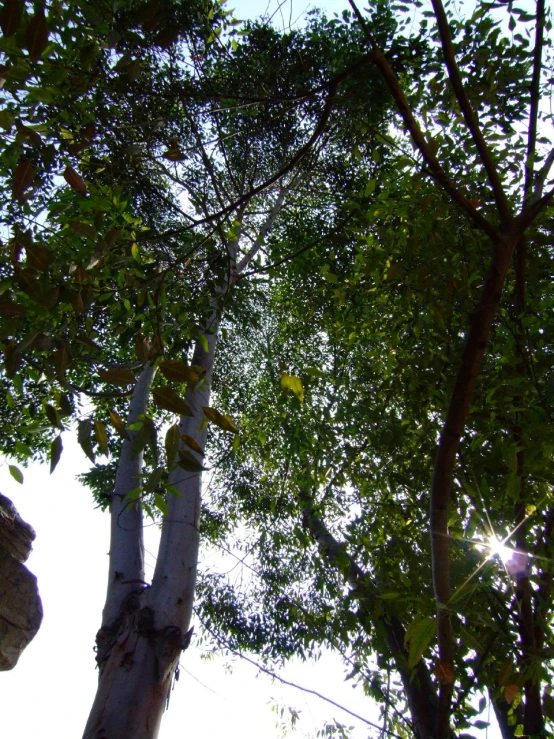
[(380, 290)]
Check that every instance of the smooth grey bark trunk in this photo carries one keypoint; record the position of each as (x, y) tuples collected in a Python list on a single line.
[(144, 629)]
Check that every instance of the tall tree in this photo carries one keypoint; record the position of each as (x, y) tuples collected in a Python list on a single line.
[(407, 315), (138, 252)]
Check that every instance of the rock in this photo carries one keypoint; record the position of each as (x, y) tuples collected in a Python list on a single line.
[(20, 605)]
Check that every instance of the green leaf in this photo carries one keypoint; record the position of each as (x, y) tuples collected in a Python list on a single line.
[(419, 635), (171, 444), (22, 449), (84, 437), (53, 416), (167, 398), (16, 473), (145, 437), (293, 384), (189, 462), (7, 120), (160, 503), (154, 480), (224, 422), (55, 452), (203, 339)]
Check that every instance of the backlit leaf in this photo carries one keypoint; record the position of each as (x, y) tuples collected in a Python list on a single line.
[(101, 436), (224, 422), (177, 371), (16, 473), (55, 452), (84, 437), (119, 426), (293, 384), (419, 635), (510, 693), (171, 444)]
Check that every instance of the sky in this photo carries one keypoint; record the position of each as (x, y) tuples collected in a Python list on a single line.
[(51, 689)]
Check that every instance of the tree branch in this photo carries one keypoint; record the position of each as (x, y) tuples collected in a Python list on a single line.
[(262, 233), (419, 689), (458, 411), (223, 642), (469, 114), (534, 104)]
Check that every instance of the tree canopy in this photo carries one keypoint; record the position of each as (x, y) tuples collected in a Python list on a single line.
[(344, 230)]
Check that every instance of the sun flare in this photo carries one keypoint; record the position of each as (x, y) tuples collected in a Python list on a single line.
[(497, 548)]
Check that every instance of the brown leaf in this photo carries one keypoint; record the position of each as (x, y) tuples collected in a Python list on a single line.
[(22, 179), (78, 304), (89, 131), (38, 258), (10, 17), (192, 443), (62, 360), (142, 347), (510, 693), (11, 310), (167, 37), (12, 358), (83, 229), (444, 673), (80, 274), (167, 398), (75, 180), (177, 371), (36, 35), (120, 377), (77, 147)]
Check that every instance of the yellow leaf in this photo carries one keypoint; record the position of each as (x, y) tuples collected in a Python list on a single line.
[(294, 384)]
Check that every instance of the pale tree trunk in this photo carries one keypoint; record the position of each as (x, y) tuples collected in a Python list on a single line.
[(145, 629)]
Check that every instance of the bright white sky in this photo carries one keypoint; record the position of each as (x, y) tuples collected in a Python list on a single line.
[(51, 689)]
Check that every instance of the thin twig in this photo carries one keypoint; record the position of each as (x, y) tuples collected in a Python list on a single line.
[(222, 641)]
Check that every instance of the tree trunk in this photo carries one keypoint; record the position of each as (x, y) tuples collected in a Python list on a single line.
[(145, 628)]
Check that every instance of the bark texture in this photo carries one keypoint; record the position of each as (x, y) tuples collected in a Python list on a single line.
[(20, 604)]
